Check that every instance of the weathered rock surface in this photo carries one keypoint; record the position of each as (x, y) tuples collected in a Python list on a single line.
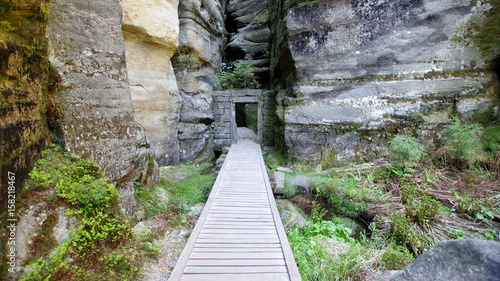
[(302, 184), (86, 47), (358, 72), (198, 57), (247, 23), (23, 91), (38, 219), (279, 180), (460, 260), (151, 29), (289, 215)]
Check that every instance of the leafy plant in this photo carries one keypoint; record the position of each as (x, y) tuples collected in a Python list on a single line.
[(102, 246), (475, 208), (395, 257), (240, 76), (491, 139), (463, 142), (419, 207), (346, 195), (406, 233), (456, 234), (405, 150), (78, 180), (313, 260), (184, 61)]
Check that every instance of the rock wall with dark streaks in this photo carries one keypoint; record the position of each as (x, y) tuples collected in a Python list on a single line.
[(24, 131)]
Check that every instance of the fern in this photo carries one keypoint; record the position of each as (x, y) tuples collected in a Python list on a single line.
[(405, 150)]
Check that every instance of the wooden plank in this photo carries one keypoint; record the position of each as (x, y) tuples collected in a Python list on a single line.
[(184, 257), (237, 277), (234, 262), (239, 230), (236, 269), (239, 241), (239, 222), (240, 256), (242, 245), (236, 250)]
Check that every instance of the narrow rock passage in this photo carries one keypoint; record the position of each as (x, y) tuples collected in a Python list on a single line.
[(239, 235)]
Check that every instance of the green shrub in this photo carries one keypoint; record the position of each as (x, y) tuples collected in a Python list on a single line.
[(102, 246), (88, 192), (313, 260), (395, 257), (78, 180), (241, 76), (98, 229), (405, 150), (463, 142), (491, 139)]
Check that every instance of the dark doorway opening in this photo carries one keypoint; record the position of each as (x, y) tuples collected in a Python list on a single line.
[(247, 116)]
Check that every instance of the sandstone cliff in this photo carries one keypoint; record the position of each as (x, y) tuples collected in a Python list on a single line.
[(358, 72), (150, 29), (86, 47), (247, 24), (197, 59)]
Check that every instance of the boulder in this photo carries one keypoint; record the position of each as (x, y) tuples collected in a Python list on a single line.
[(289, 215), (302, 184), (460, 260)]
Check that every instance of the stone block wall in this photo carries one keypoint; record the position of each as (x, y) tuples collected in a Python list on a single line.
[(223, 106)]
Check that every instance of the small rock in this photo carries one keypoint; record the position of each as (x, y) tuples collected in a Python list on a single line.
[(64, 225), (180, 235), (284, 170), (279, 178), (196, 210), (141, 229)]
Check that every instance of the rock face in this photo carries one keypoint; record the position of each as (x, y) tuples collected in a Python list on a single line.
[(198, 57), (464, 259), (358, 72), (86, 47), (150, 29), (23, 94), (247, 23)]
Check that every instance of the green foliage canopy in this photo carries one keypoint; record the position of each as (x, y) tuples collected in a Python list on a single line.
[(241, 76)]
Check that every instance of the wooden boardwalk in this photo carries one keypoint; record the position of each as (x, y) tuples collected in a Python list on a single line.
[(239, 235)]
